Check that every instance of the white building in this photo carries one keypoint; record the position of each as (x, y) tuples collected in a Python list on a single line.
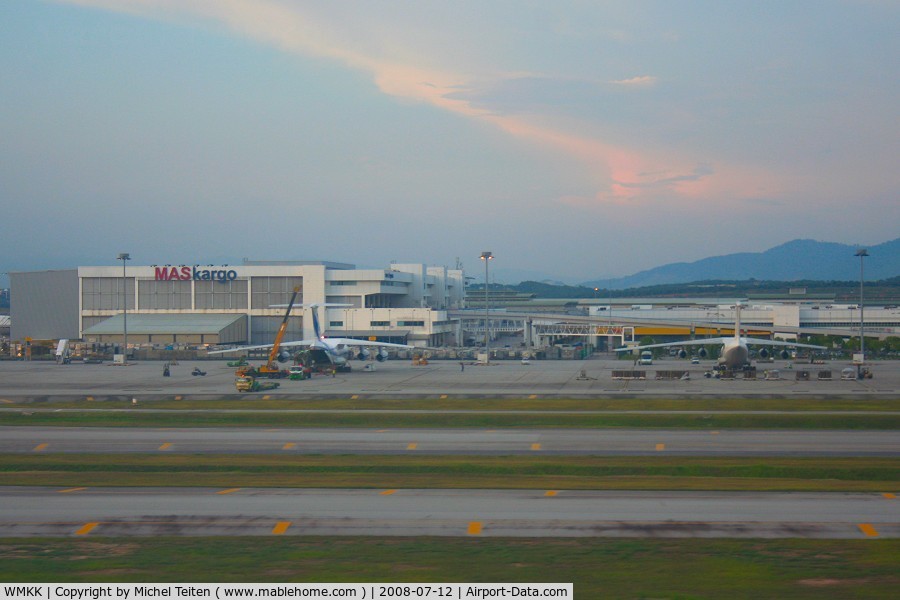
[(224, 304)]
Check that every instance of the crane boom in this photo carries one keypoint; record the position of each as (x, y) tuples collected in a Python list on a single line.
[(272, 366)]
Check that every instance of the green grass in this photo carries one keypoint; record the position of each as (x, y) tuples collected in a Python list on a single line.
[(598, 567), (492, 472), (186, 418)]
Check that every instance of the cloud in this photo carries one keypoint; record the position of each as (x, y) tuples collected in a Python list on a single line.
[(405, 72), (644, 81)]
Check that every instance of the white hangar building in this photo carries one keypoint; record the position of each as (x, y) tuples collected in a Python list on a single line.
[(225, 304)]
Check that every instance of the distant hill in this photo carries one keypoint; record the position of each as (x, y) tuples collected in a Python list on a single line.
[(795, 260)]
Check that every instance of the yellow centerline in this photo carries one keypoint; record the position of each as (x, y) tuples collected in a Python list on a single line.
[(867, 529), (388, 492), (69, 490), (86, 529), (288, 446), (890, 496), (551, 493), (40, 447), (165, 446), (281, 527), (412, 446), (228, 491)]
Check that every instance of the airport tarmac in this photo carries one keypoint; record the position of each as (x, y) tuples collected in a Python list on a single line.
[(394, 379), (450, 441), (47, 511)]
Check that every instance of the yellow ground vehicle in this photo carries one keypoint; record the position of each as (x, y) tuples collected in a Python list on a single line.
[(246, 383)]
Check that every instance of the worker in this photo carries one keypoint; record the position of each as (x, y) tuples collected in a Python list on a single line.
[(166, 370), (462, 366)]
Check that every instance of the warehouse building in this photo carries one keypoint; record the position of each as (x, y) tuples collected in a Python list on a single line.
[(168, 305)]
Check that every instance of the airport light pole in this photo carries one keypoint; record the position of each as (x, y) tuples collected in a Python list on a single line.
[(861, 253), (124, 257), (486, 257)]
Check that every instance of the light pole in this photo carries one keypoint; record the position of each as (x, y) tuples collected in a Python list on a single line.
[(861, 253), (486, 257), (124, 257)]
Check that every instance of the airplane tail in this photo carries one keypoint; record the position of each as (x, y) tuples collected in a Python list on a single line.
[(315, 316)]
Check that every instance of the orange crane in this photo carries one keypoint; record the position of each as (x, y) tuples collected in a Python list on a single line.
[(270, 369)]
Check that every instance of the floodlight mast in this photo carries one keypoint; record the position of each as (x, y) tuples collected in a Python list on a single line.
[(486, 257)]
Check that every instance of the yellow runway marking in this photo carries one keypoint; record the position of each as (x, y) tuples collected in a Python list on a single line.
[(412, 446), (443, 396), (660, 447), (474, 528), (72, 490), (713, 433), (90, 398), (388, 492), (288, 446), (281, 527), (40, 447), (88, 527), (890, 496), (266, 397), (166, 446), (551, 493), (535, 446), (354, 397), (867, 529), (532, 397), (228, 491)]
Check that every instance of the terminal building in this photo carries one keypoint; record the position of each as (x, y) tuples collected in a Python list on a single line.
[(179, 305)]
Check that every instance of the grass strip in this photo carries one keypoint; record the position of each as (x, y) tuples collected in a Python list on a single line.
[(598, 567), (710, 420), (496, 472)]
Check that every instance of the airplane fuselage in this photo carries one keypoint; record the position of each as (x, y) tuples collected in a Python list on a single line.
[(735, 354)]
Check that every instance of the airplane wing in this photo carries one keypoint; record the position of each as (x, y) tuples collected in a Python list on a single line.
[(703, 342), (352, 342), (762, 342), (264, 346)]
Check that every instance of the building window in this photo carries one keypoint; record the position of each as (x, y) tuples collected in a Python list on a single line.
[(223, 295), (164, 295), (105, 293), (335, 323), (379, 323), (267, 291), (411, 324)]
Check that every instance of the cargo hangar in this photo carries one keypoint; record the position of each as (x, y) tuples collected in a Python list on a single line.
[(166, 305)]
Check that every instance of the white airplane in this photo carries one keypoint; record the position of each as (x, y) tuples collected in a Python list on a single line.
[(735, 352), (325, 350)]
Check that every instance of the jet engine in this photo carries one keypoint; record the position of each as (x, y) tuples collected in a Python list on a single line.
[(681, 353), (363, 353), (382, 355), (763, 353), (702, 353), (785, 354), (284, 356)]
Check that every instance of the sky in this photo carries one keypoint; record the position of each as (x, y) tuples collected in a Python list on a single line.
[(573, 139)]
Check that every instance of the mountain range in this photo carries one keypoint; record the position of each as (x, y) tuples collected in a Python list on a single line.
[(791, 261)]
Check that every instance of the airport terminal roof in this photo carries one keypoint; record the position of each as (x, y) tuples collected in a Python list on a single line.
[(145, 324)]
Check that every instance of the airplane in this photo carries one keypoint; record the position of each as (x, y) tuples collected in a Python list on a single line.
[(335, 352), (735, 352)]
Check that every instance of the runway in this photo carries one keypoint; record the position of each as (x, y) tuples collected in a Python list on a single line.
[(44, 511), (485, 442)]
